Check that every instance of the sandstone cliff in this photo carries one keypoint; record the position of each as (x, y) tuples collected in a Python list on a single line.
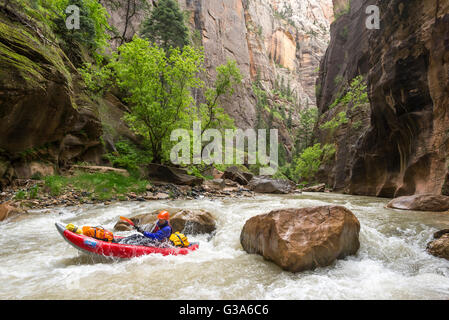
[(44, 114), (279, 42), (48, 121), (401, 144)]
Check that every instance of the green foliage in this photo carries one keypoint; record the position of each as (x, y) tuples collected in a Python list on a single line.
[(307, 164), (335, 122), (166, 26), (20, 195), (128, 157), (262, 103), (345, 10), (211, 114), (356, 96), (94, 25), (307, 120), (55, 184), (100, 186), (158, 87), (96, 79)]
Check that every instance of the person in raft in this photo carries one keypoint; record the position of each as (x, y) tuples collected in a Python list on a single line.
[(158, 236)]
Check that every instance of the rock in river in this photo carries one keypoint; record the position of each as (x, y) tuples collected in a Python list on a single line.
[(268, 185), (439, 247), (8, 209), (421, 202), (302, 239), (185, 221)]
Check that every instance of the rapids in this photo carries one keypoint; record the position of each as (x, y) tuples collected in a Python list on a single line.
[(36, 263)]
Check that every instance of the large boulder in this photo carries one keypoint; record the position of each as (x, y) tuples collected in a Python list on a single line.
[(439, 247), (193, 222), (268, 185), (163, 174), (8, 209), (235, 174), (184, 221), (302, 239), (421, 202)]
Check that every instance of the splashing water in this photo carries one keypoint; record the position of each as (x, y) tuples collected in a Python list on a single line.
[(36, 263)]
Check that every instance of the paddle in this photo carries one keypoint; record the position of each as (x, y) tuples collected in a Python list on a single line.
[(128, 220), (132, 223)]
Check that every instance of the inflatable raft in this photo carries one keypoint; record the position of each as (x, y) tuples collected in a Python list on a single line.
[(116, 250)]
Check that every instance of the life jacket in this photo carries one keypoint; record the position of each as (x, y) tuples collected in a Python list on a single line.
[(98, 233), (179, 240)]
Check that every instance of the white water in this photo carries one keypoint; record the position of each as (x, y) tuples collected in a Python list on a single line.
[(36, 263)]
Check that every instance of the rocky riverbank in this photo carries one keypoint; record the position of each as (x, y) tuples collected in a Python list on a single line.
[(73, 197)]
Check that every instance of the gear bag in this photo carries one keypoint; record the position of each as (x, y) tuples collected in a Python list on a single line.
[(179, 240), (98, 233)]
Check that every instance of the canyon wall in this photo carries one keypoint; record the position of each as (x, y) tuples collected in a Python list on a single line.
[(48, 121), (401, 143), (45, 119), (273, 41)]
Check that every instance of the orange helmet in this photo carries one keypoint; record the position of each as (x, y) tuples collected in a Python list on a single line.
[(163, 215)]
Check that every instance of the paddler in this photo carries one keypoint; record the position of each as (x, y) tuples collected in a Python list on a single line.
[(162, 231), (157, 237)]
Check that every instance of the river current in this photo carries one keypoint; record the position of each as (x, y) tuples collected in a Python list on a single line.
[(392, 263)]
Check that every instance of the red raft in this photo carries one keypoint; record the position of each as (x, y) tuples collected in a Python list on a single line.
[(117, 250)]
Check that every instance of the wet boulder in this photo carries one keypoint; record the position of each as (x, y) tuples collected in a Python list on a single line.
[(8, 209), (440, 246), (421, 202), (193, 222), (302, 239), (185, 221), (268, 185)]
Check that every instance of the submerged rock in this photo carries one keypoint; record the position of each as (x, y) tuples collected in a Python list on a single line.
[(302, 239), (440, 246), (421, 202)]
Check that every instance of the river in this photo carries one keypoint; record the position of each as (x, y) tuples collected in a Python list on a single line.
[(36, 263)]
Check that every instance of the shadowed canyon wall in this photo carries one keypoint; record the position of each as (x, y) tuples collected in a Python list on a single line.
[(401, 144)]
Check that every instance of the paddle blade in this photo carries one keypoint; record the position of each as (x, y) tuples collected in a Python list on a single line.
[(127, 220)]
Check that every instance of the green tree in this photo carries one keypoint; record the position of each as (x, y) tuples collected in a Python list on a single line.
[(308, 163), (92, 32), (166, 26), (211, 114), (158, 87), (307, 120)]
